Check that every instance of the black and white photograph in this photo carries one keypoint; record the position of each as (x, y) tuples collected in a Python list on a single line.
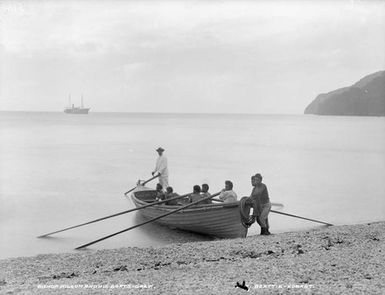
[(192, 147)]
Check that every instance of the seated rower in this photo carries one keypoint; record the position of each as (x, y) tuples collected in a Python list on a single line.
[(169, 195), (160, 196), (196, 195), (227, 195), (205, 193)]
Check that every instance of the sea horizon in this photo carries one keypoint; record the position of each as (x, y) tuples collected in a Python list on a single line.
[(189, 113), (165, 113)]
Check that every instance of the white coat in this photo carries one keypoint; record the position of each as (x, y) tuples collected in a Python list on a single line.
[(161, 167)]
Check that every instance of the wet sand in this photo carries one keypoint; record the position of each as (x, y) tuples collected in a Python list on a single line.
[(327, 260)]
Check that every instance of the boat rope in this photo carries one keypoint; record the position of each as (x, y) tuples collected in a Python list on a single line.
[(244, 208)]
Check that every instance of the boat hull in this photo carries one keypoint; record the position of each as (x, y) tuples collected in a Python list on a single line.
[(221, 220), (77, 111)]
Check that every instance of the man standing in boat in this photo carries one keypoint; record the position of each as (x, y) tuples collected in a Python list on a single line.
[(161, 168)]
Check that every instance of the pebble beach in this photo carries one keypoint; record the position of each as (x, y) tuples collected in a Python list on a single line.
[(326, 260)]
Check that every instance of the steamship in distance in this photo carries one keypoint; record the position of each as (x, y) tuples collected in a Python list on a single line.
[(71, 109)]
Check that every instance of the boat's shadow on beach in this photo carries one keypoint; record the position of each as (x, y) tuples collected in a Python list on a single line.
[(165, 234)]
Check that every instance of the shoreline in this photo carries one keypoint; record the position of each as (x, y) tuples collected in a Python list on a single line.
[(337, 259)]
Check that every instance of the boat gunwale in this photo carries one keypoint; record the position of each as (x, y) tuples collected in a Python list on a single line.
[(198, 207)]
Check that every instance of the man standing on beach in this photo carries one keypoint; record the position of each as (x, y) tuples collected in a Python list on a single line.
[(261, 203), (161, 168)]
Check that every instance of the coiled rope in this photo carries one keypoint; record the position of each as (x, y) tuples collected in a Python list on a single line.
[(244, 209)]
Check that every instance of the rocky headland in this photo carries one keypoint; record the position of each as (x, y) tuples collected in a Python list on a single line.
[(364, 98)]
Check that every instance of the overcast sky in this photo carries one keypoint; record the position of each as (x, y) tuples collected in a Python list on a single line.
[(185, 56)]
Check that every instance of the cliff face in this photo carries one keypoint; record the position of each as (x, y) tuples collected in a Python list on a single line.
[(364, 98)]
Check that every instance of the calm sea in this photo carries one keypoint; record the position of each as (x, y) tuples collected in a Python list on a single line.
[(59, 170)]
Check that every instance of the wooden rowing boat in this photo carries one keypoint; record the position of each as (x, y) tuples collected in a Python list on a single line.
[(221, 220)]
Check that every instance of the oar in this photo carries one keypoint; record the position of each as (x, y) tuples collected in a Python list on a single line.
[(272, 204), (152, 178), (116, 214), (296, 216), (218, 200), (148, 221)]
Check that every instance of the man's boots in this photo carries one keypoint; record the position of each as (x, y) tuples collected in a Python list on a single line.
[(265, 231)]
